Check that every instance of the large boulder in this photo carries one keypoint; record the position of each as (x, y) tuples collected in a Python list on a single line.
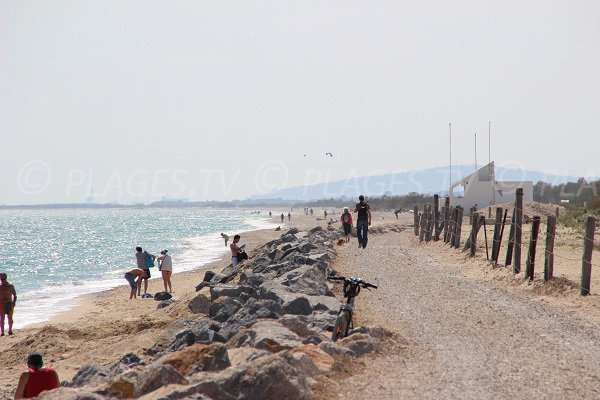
[(360, 344), (198, 357), (199, 304), (265, 335), (155, 376), (68, 393), (323, 361), (244, 355), (128, 361), (161, 296), (224, 307), (90, 375), (251, 311), (229, 290)]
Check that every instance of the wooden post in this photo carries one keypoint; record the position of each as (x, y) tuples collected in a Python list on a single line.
[(586, 262), (511, 241), (428, 223), (557, 212), (422, 224), (490, 212), (487, 252), (500, 238), (496, 234), (530, 264), (436, 217), (452, 227), (416, 220), (549, 259), (446, 218), (458, 228), (518, 231), (475, 224)]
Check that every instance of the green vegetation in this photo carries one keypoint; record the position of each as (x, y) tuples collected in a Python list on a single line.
[(377, 203)]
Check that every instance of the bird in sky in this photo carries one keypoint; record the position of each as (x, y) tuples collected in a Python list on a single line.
[(329, 154)]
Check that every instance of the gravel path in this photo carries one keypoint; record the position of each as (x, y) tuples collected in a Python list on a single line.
[(459, 337)]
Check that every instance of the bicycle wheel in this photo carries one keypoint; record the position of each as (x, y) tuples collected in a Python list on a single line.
[(340, 329)]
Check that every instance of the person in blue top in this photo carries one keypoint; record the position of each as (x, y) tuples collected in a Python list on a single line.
[(363, 221), (145, 261)]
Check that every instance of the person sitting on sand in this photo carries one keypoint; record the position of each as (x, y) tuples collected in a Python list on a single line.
[(134, 278), (8, 299), (346, 221), (37, 379), (226, 238), (166, 269)]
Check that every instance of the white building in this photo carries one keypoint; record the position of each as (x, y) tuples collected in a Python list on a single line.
[(482, 190)]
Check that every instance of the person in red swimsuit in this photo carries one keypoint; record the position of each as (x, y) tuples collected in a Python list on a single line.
[(37, 379)]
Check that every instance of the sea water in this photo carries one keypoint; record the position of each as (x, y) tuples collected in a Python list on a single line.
[(52, 256)]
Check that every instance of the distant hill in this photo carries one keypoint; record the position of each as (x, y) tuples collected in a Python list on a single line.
[(427, 181)]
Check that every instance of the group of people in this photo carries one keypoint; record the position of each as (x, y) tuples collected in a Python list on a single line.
[(145, 261)]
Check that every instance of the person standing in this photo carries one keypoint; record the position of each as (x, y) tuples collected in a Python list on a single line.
[(145, 261), (282, 217), (346, 220), (166, 269), (134, 277), (8, 299), (363, 221), (37, 379), (325, 214), (226, 238), (289, 216)]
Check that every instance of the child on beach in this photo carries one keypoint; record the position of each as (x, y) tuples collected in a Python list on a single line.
[(134, 278), (346, 220)]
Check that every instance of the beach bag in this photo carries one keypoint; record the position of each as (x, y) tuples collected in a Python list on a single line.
[(148, 260), (242, 256)]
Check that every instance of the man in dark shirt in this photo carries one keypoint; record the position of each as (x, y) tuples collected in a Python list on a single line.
[(363, 220)]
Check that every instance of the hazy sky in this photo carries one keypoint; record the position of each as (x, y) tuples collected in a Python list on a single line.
[(136, 100)]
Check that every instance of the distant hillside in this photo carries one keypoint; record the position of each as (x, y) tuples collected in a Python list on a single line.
[(427, 181)]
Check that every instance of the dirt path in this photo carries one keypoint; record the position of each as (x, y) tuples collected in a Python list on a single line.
[(460, 337)]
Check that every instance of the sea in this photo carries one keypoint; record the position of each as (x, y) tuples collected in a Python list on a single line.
[(53, 256)]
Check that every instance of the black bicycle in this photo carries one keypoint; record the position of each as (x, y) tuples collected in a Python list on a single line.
[(343, 321)]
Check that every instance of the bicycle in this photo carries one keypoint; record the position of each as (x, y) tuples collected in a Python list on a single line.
[(344, 321)]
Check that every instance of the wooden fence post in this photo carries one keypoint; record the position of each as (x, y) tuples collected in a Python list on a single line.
[(458, 227), (436, 217), (511, 240), (446, 218), (557, 212), (452, 227), (487, 251), (422, 224), (475, 225), (518, 231), (428, 223), (416, 220), (588, 247), (496, 234), (549, 259), (530, 264), (500, 238)]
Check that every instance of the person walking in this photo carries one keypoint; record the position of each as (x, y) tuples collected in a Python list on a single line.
[(363, 221), (166, 269), (37, 379), (8, 299), (346, 220), (145, 261)]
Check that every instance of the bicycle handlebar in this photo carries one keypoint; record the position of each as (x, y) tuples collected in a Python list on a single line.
[(352, 281)]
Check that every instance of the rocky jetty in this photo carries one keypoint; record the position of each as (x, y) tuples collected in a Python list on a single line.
[(259, 332)]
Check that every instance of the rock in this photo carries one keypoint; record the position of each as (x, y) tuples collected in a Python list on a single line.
[(334, 350), (155, 376), (251, 311), (327, 304), (89, 375), (301, 361), (284, 247), (307, 279), (323, 361), (316, 229), (68, 393), (265, 335), (297, 324), (160, 296), (123, 387), (251, 279), (360, 344), (316, 340), (373, 331), (324, 320), (199, 304), (198, 357), (244, 355), (175, 392), (292, 231), (270, 377), (183, 338), (224, 307), (229, 290), (289, 238), (298, 306), (307, 247), (128, 361), (164, 304)]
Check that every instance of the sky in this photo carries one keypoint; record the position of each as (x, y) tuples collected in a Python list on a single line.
[(139, 100)]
